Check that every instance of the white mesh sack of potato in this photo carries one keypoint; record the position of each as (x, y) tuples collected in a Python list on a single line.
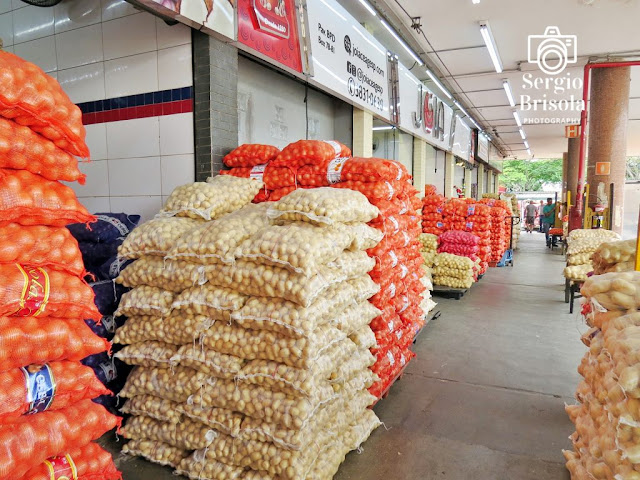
[(586, 245), (207, 361), (197, 467), (153, 407), (217, 303), (577, 272), (156, 452), (139, 329), (172, 275), (220, 419), (211, 199), (428, 242), (148, 354), (175, 384), (614, 291), (262, 280), (364, 338), (363, 236), (579, 258), (187, 434), (354, 317), (610, 254), (145, 300), (604, 235), (453, 282), (325, 206), (216, 241), (299, 247), (155, 237)]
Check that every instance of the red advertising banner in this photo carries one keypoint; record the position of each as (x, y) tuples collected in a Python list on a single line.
[(270, 28)]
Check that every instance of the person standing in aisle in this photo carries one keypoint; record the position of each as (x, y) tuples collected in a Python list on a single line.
[(540, 216), (530, 213), (548, 219)]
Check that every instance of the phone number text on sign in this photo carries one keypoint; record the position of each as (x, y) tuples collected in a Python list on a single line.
[(364, 93)]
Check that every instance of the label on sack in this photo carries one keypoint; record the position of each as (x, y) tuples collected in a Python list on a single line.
[(62, 468), (396, 225), (439, 209), (41, 387), (399, 174), (35, 291), (469, 226), (471, 210), (399, 334), (109, 370), (405, 305), (109, 323), (407, 238), (392, 360), (404, 208), (335, 145), (439, 224), (121, 227), (257, 172), (394, 258), (404, 271), (392, 290), (390, 326), (334, 170), (403, 361), (391, 190)]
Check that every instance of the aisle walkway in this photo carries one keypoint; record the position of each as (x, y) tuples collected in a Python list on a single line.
[(485, 397)]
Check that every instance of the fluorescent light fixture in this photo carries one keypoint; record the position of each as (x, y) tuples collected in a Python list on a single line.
[(524, 137), (464, 112), (376, 129), (475, 2), (517, 117), (401, 42), (526, 145), (489, 41), (435, 80), (368, 7), (509, 92)]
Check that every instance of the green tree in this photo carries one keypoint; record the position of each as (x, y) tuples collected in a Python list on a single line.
[(530, 175), (633, 169)]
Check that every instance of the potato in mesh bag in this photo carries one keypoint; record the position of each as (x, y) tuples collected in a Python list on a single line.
[(364, 338), (579, 258), (187, 434), (355, 317), (156, 452), (148, 354), (145, 300), (323, 206), (175, 384), (211, 199), (172, 275), (216, 241), (153, 407), (155, 237), (207, 361), (139, 329), (215, 302), (262, 280), (225, 421), (360, 380), (197, 467), (614, 291), (364, 237)]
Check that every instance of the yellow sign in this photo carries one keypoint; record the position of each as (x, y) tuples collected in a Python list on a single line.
[(572, 131), (603, 168)]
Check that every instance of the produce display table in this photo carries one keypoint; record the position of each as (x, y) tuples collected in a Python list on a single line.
[(449, 292)]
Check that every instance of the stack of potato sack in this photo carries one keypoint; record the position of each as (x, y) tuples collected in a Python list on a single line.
[(454, 271), (500, 227), (606, 444), (581, 245), (428, 248), (432, 214), (47, 418), (617, 256), (252, 342)]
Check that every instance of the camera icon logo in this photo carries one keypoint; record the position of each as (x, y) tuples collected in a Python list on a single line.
[(553, 51)]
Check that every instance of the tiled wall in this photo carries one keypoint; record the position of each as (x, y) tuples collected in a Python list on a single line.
[(111, 58)]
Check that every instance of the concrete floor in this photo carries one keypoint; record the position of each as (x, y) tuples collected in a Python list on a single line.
[(484, 399)]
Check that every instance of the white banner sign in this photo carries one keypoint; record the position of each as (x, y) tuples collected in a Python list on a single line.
[(346, 58), (461, 139), (483, 148), (422, 113)]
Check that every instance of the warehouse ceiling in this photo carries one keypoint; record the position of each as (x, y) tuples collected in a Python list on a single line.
[(450, 42)]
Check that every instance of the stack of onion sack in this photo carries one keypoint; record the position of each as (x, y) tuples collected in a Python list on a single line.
[(454, 271), (251, 161), (500, 227), (581, 246), (99, 242), (607, 415), (432, 216), (479, 223), (512, 205), (260, 370), (47, 418)]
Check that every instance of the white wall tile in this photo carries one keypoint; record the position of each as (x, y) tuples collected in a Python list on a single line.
[(96, 140), (97, 183), (134, 138), (129, 36), (96, 204), (172, 35), (115, 9), (5, 6), (176, 134), (16, 4), (79, 47), (76, 14), (177, 170), (6, 29), (84, 83), (131, 75), (134, 176), (174, 67), (42, 52), (31, 23), (147, 207)]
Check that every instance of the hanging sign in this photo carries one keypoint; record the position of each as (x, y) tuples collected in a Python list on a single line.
[(483, 148), (462, 139), (272, 17)]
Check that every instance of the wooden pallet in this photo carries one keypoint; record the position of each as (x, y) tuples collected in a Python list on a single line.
[(449, 292)]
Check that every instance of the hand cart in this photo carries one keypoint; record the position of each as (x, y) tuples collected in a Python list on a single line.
[(507, 258)]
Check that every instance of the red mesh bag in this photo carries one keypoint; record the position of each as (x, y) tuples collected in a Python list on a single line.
[(280, 192), (458, 249), (53, 386), (23, 149), (279, 177), (374, 191), (433, 200), (430, 190), (458, 238), (42, 292), (250, 155), (242, 172), (359, 169), (32, 340), (387, 321), (416, 203), (29, 199), (31, 97), (90, 462), (395, 206), (310, 152), (262, 196), (40, 245), (27, 441)]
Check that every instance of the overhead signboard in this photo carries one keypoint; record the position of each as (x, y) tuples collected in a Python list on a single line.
[(346, 58), (461, 139), (421, 112), (483, 148), (270, 28)]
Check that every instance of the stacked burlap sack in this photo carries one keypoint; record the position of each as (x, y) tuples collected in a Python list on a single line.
[(607, 417), (47, 418), (617, 256), (251, 338), (581, 245), (454, 271)]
